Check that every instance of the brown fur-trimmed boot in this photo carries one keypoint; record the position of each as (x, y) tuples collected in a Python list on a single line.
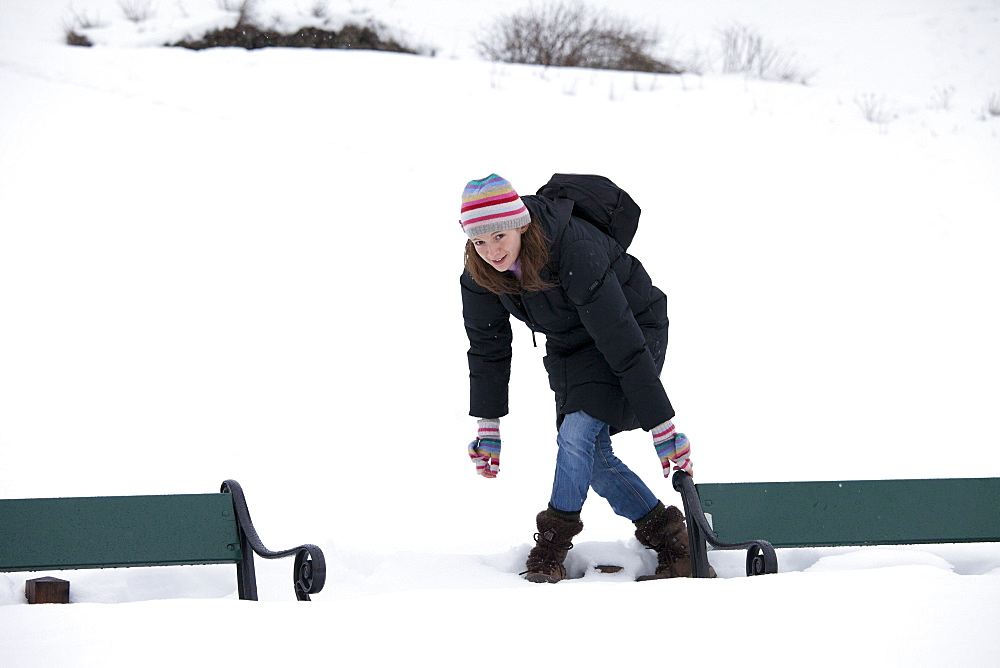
[(663, 530), (552, 542)]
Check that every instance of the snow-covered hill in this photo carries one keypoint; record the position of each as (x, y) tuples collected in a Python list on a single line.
[(231, 264)]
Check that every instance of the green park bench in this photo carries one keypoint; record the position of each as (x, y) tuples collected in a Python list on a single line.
[(57, 534), (762, 516)]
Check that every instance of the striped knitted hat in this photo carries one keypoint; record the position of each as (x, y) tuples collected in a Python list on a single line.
[(491, 205)]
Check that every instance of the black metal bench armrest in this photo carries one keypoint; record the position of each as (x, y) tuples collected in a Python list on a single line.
[(761, 558), (309, 574)]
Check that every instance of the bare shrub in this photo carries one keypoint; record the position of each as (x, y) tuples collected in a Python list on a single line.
[(83, 20), (568, 34), (700, 61), (993, 105), (942, 98), (744, 51), (320, 9), (873, 108), (244, 10), (136, 11), (75, 23)]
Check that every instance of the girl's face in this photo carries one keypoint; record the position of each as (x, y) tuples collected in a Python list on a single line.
[(500, 249)]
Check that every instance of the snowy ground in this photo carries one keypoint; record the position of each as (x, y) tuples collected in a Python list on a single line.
[(244, 265)]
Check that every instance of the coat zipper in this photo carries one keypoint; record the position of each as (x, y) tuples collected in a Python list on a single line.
[(527, 315)]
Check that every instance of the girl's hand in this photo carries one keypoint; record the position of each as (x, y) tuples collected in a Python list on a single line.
[(673, 449), (485, 450)]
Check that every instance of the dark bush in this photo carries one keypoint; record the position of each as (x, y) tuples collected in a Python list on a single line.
[(251, 37), (73, 38), (75, 23)]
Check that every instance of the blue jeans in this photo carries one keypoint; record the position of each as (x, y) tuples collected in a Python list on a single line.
[(585, 460)]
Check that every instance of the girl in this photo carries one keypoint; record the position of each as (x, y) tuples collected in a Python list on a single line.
[(605, 327)]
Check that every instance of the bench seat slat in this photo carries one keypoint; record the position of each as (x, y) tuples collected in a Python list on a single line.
[(856, 512), (117, 531)]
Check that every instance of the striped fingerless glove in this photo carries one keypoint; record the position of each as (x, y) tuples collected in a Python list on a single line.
[(673, 449), (485, 450)]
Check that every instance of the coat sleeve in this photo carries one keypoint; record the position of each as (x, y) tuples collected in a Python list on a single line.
[(487, 324), (593, 288)]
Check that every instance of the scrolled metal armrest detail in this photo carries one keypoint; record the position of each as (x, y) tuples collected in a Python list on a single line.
[(761, 558), (309, 571)]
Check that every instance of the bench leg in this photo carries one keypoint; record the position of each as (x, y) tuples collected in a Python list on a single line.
[(246, 574), (696, 543), (47, 590)]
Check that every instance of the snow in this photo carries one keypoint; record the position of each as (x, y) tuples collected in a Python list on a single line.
[(231, 264)]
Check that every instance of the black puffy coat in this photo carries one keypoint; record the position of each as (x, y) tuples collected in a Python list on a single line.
[(605, 327)]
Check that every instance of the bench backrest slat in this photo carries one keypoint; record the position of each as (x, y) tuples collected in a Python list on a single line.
[(855, 512), (114, 531)]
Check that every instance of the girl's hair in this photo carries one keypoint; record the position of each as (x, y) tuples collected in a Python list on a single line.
[(533, 257)]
